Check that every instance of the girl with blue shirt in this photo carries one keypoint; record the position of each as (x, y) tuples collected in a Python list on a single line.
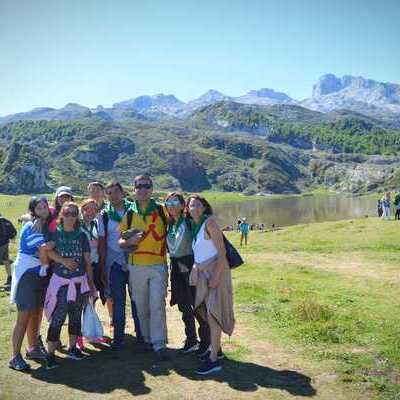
[(29, 284)]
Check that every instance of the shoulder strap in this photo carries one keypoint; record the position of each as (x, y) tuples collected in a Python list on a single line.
[(129, 216), (161, 213), (105, 222)]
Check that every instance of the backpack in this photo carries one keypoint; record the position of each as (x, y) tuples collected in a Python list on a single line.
[(7, 229)]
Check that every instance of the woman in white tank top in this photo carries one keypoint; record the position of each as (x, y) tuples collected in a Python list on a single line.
[(212, 277)]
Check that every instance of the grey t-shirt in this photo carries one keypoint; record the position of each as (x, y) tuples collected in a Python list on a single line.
[(179, 242)]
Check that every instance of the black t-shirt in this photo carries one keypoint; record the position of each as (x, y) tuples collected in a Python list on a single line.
[(70, 245)]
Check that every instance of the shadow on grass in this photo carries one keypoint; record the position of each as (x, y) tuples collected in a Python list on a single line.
[(105, 371)]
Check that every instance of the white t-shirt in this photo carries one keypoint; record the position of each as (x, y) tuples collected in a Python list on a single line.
[(113, 233)]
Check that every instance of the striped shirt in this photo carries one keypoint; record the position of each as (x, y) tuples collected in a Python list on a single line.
[(30, 240)]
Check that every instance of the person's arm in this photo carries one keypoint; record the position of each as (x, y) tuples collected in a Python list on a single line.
[(69, 263), (216, 236), (89, 270), (133, 240), (102, 250)]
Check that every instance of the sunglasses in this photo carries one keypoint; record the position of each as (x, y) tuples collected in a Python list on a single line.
[(195, 205), (173, 203), (70, 214), (143, 186)]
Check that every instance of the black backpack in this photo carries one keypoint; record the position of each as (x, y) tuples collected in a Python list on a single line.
[(7, 230)]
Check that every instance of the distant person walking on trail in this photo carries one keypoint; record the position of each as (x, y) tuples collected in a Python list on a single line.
[(386, 205), (144, 234), (212, 277), (379, 208), (7, 233), (179, 244), (244, 228), (397, 205), (239, 221)]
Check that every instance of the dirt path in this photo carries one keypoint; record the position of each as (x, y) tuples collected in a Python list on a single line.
[(354, 264), (255, 369)]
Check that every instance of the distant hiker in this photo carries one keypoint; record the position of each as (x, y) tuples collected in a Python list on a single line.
[(147, 264), (179, 244), (397, 205), (71, 282), (379, 208), (239, 221), (96, 192), (7, 233), (212, 277), (386, 205), (28, 286), (112, 262), (244, 231)]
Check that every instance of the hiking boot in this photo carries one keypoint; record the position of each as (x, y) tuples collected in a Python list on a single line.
[(36, 354), (208, 367), (79, 343), (60, 347), (116, 345), (41, 344), (204, 357), (162, 355), (190, 346), (75, 354), (202, 350), (19, 364), (51, 361)]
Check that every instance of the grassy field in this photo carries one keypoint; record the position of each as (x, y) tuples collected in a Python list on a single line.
[(317, 310)]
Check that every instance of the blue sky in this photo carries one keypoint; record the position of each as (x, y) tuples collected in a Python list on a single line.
[(98, 52)]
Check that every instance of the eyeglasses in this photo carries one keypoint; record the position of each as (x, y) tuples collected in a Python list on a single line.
[(195, 205), (70, 214), (143, 186), (173, 203)]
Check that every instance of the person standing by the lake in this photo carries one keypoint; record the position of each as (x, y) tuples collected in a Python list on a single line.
[(396, 203), (386, 205), (147, 264), (179, 244), (212, 277), (7, 233), (244, 231)]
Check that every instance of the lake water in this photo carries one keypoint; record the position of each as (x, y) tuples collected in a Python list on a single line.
[(295, 210)]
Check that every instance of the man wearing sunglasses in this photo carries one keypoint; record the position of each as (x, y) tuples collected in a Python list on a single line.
[(147, 264)]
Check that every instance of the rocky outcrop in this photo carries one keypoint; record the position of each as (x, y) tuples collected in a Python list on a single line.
[(23, 171), (103, 152)]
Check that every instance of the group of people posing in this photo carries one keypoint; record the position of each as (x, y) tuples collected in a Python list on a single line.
[(109, 244)]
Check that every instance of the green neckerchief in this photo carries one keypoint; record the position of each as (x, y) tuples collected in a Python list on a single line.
[(152, 206), (196, 227), (174, 226), (113, 213), (73, 234)]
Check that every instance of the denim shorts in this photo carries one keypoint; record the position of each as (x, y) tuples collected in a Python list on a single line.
[(31, 291)]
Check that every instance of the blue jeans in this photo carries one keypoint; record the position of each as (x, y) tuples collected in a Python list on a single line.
[(119, 280)]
